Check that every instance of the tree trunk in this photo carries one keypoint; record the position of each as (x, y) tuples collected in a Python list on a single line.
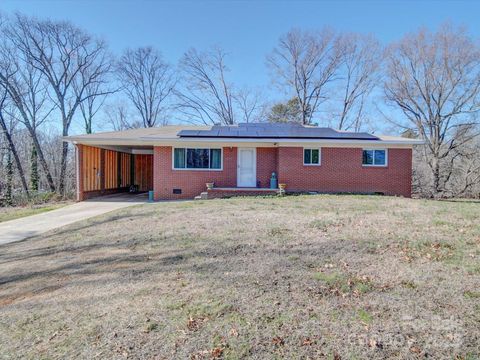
[(42, 160), (8, 192), (34, 169), (436, 177), (13, 151), (88, 125), (63, 168)]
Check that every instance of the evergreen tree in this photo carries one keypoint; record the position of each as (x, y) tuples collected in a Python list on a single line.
[(288, 112)]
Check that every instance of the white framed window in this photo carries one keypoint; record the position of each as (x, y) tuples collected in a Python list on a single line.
[(197, 159), (375, 157), (312, 157)]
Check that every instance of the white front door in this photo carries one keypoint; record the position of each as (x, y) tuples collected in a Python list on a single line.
[(247, 167)]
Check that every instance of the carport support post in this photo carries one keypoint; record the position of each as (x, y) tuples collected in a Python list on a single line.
[(78, 171)]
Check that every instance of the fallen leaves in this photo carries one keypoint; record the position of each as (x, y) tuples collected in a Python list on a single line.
[(194, 324), (278, 341), (375, 344), (308, 342), (217, 352), (416, 350)]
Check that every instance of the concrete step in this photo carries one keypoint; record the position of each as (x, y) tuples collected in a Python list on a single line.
[(202, 196)]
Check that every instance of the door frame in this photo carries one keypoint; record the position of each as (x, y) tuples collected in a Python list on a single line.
[(254, 166)]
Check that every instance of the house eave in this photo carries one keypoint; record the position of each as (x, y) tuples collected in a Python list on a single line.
[(153, 141)]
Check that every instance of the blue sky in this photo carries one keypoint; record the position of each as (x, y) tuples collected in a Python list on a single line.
[(247, 30)]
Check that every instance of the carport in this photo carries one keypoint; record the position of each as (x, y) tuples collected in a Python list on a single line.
[(118, 161), (104, 170)]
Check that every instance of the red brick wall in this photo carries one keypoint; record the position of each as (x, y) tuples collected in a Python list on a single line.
[(266, 164), (341, 170), (192, 182)]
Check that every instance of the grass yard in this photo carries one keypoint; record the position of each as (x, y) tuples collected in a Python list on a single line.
[(336, 277), (12, 213)]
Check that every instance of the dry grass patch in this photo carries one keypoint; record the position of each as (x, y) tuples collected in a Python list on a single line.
[(345, 277), (12, 213)]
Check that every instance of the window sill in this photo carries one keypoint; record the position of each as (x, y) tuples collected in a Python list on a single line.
[(186, 169), (374, 166)]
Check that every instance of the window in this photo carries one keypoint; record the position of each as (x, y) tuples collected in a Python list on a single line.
[(374, 157), (311, 156), (186, 158)]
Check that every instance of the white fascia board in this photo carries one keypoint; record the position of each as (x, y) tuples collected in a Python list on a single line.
[(151, 141), (292, 141)]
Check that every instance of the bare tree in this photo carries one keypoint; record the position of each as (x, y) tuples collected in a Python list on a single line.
[(463, 174), (7, 127), (95, 95), (119, 118), (207, 96), (304, 63), (251, 105), (148, 81), (70, 60), (359, 73), (434, 79), (26, 89)]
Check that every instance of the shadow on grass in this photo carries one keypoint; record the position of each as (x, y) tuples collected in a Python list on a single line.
[(209, 260), (11, 255), (461, 201)]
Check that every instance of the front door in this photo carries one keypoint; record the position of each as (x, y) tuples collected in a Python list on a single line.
[(247, 167)]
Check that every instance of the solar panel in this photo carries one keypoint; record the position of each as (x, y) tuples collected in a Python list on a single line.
[(274, 131)]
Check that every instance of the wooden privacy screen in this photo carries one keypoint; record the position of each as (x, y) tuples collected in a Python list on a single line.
[(116, 169), (91, 168), (111, 169), (125, 162), (144, 172)]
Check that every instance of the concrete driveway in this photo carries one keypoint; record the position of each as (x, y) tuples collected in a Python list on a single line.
[(23, 228)]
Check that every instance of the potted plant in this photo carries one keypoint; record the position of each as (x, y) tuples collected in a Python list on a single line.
[(209, 185)]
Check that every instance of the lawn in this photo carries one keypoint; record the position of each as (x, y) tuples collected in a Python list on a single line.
[(12, 213), (336, 277)]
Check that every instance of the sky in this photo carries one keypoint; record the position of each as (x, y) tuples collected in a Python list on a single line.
[(247, 30)]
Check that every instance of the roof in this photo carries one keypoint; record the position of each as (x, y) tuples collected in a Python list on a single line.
[(164, 132), (242, 133), (274, 131)]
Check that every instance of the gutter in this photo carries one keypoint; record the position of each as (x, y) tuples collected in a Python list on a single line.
[(160, 141)]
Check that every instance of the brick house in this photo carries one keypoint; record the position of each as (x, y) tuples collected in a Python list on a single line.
[(177, 162)]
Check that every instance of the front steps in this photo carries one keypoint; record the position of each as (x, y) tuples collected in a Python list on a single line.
[(202, 196)]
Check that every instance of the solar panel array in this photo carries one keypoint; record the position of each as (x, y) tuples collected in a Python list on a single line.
[(275, 131)]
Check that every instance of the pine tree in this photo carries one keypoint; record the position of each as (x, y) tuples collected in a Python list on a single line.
[(34, 169)]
